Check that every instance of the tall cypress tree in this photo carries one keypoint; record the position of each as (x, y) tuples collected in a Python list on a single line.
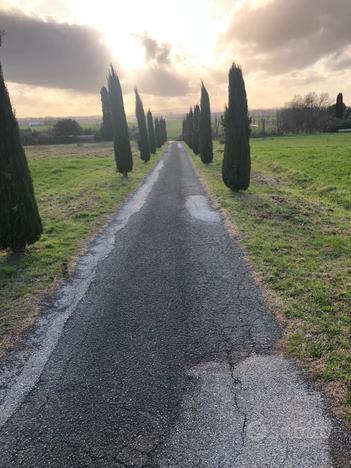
[(20, 223), (183, 128), (196, 130), (123, 152), (162, 132), (236, 160), (151, 131), (187, 129), (190, 127), (157, 133), (340, 106), (143, 135), (165, 130), (106, 126), (205, 130)]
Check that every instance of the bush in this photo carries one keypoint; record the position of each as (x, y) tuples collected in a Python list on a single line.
[(66, 128)]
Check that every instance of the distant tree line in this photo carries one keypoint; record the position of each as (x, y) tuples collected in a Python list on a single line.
[(307, 114), (56, 132), (313, 113)]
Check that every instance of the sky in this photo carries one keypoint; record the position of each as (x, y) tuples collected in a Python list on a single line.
[(56, 53)]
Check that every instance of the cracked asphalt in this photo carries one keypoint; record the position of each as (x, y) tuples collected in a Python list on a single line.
[(166, 359)]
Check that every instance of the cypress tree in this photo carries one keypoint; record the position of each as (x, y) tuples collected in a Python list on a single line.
[(340, 106), (20, 223), (187, 129), (157, 133), (123, 153), (190, 127), (165, 130), (162, 130), (106, 126), (184, 128), (143, 135), (205, 128), (196, 130), (236, 161), (190, 122), (151, 131)]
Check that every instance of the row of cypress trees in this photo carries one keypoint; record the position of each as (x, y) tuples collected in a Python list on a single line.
[(143, 140), (152, 135), (121, 142), (157, 131), (197, 132), (161, 131)]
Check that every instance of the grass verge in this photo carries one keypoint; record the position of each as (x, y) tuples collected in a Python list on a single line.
[(77, 190), (295, 225)]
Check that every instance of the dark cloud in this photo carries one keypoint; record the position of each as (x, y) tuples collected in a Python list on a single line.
[(282, 36), (52, 54), (155, 52)]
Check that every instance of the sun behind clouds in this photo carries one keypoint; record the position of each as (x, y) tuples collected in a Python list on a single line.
[(203, 38)]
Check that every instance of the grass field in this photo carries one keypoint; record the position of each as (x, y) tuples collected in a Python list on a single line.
[(174, 129), (295, 223), (77, 188)]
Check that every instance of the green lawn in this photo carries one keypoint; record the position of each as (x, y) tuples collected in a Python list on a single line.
[(295, 223), (77, 189)]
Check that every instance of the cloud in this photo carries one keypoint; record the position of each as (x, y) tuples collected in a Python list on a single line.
[(154, 52), (340, 60), (161, 82), (278, 36), (159, 76), (44, 52), (30, 101)]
